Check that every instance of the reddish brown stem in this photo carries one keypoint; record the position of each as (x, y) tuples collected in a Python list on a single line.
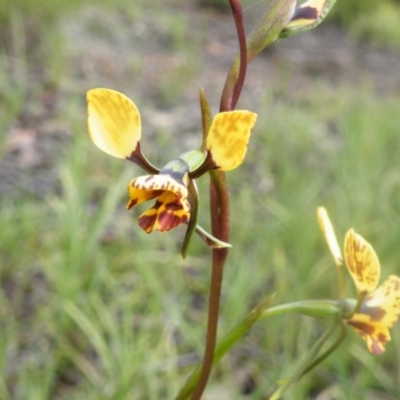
[(220, 218), (219, 199), (238, 15), (230, 98)]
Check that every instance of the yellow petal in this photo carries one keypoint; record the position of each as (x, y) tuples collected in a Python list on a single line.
[(383, 305), (172, 206), (228, 137), (362, 262), (329, 233), (114, 122), (168, 212), (374, 333), (138, 196), (148, 187)]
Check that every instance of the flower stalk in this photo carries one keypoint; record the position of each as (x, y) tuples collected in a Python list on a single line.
[(219, 206), (219, 201)]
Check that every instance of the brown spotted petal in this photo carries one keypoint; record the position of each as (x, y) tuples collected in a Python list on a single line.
[(169, 211), (172, 205), (377, 314), (383, 305), (362, 263), (374, 333), (228, 137)]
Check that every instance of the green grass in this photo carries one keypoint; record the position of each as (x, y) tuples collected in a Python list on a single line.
[(376, 22), (91, 307)]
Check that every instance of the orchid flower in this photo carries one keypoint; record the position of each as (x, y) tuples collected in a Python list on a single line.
[(378, 307), (115, 127)]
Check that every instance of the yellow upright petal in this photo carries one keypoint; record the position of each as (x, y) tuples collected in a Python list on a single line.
[(329, 233), (114, 122), (228, 137), (362, 262)]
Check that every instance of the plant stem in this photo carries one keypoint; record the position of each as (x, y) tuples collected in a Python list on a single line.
[(332, 348), (266, 32), (303, 365), (314, 308), (238, 85), (232, 337), (234, 82), (220, 218), (219, 200)]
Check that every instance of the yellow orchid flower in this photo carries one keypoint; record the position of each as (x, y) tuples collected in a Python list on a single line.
[(378, 307), (170, 188), (115, 127)]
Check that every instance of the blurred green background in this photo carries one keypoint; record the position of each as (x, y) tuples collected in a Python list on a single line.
[(91, 307)]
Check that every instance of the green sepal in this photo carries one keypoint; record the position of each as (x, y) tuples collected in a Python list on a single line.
[(206, 117), (194, 216), (348, 307), (194, 158), (176, 166), (212, 241), (316, 16)]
